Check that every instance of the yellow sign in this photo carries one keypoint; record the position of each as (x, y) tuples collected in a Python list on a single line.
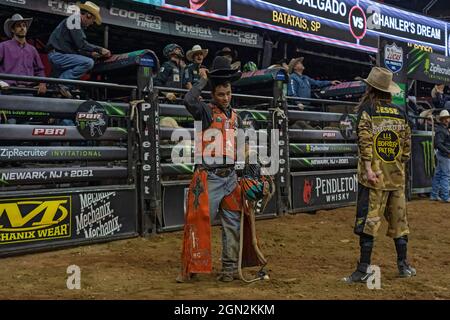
[(34, 219), (387, 146)]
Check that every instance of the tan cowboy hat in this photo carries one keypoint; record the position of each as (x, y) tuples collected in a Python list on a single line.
[(293, 62), (195, 49), (93, 9), (169, 122), (444, 114), (14, 19), (428, 114), (381, 79)]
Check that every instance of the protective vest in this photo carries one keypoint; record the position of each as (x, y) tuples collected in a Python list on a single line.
[(228, 129)]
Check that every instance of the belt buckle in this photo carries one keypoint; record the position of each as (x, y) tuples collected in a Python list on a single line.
[(223, 172)]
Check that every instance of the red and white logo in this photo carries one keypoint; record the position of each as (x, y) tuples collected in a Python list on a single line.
[(49, 132), (358, 22), (307, 191), (329, 134)]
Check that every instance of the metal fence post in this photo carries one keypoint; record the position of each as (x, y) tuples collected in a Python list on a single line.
[(281, 122), (150, 168)]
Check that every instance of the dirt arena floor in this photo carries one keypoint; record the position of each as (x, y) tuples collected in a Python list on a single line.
[(308, 255)]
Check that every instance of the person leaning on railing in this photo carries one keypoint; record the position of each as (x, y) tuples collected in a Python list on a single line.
[(70, 54), (439, 98), (300, 85)]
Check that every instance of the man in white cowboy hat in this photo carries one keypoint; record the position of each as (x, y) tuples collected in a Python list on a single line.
[(299, 84), (17, 56), (384, 144), (192, 73), (441, 178), (69, 52)]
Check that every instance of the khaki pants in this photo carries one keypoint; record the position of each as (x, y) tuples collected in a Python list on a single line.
[(373, 204)]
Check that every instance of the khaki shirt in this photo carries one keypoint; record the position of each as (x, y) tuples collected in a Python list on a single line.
[(384, 139)]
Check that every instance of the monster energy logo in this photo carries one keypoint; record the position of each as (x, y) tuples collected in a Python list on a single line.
[(428, 157)]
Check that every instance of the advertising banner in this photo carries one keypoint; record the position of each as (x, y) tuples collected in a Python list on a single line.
[(393, 55), (18, 176), (422, 162), (428, 67), (32, 221), (141, 19), (351, 23), (322, 189), (37, 154)]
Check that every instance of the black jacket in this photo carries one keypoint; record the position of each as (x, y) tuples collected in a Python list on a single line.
[(442, 140), (71, 41)]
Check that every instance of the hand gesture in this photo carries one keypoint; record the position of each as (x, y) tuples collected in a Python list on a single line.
[(42, 89), (203, 72), (106, 53), (372, 177), (171, 96)]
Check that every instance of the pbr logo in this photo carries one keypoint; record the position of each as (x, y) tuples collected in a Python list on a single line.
[(346, 126), (91, 120), (393, 57), (49, 132)]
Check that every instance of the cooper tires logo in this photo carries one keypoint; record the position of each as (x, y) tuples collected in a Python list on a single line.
[(357, 22), (387, 145), (91, 120)]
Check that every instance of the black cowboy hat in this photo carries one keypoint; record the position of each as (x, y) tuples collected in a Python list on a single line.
[(221, 70), (227, 51)]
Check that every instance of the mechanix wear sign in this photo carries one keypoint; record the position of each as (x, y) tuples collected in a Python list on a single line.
[(91, 120), (387, 145), (33, 219)]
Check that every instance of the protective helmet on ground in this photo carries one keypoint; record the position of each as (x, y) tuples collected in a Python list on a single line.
[(170, 48)]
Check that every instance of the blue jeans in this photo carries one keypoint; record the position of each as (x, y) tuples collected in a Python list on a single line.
[(218, 188), (70, 66), (441, 178)]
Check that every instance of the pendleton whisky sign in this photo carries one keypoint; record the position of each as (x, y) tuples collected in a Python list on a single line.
[(34, 219)]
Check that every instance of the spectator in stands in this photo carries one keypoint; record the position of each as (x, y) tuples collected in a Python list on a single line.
[(425, 121), (69, 52), (192, 73), (231, 55), (17, 56), (299, 84), (441, 178), (440, 99), (170, 74)]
